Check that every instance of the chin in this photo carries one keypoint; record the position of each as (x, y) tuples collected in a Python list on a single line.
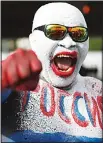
[(59, 81)]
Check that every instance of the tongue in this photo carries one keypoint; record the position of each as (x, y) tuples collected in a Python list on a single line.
[(63, 63)]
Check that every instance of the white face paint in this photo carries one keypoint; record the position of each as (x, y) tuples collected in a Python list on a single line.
[(45, 48)]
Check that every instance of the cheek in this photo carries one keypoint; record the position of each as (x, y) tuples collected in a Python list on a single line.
[(83, 49), (40, 43)]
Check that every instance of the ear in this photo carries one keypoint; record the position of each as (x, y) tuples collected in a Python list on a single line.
[(30, 37)]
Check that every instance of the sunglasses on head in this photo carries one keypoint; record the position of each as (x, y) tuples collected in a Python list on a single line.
[(58, 32)]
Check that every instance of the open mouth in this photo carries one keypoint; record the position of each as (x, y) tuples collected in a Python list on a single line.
[(63, 64)]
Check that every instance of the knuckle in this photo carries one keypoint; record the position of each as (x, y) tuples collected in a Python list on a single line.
[(20, 50), (10, 58), (22, 70), (36, 66), (31, 53)]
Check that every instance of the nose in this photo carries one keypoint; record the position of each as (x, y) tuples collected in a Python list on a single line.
[(67, 42)]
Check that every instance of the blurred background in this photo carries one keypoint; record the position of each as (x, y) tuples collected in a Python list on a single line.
[(16, 25)]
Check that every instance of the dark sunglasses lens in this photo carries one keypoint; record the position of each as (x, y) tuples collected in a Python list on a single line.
[(55, 32), (78, 34)]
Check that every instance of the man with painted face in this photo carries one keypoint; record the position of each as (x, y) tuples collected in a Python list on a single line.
[(59, 105)]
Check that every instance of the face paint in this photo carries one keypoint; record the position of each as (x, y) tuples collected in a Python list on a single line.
[(61, 59)]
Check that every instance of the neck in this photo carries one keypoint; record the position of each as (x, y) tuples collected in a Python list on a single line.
[(70, 86), (74, 82)]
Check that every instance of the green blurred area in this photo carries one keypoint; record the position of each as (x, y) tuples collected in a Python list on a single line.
[(95, 43), (10, 44)]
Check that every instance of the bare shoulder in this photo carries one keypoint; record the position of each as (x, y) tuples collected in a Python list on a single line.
[(94, 85)]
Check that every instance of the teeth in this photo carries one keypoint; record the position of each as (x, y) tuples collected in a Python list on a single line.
[(65, 70), (60, 56)]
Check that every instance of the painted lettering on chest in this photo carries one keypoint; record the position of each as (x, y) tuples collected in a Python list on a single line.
[(49, 105)]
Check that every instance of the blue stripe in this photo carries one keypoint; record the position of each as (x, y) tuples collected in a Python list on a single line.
[(76, 111), (62, 104), (88, 111), (30, 136), (5, 94), (27, 100), (45, 98)]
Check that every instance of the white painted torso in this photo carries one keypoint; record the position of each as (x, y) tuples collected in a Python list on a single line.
[(52, 110)]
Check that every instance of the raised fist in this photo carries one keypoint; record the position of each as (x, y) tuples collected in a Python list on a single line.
[(21, 70)]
